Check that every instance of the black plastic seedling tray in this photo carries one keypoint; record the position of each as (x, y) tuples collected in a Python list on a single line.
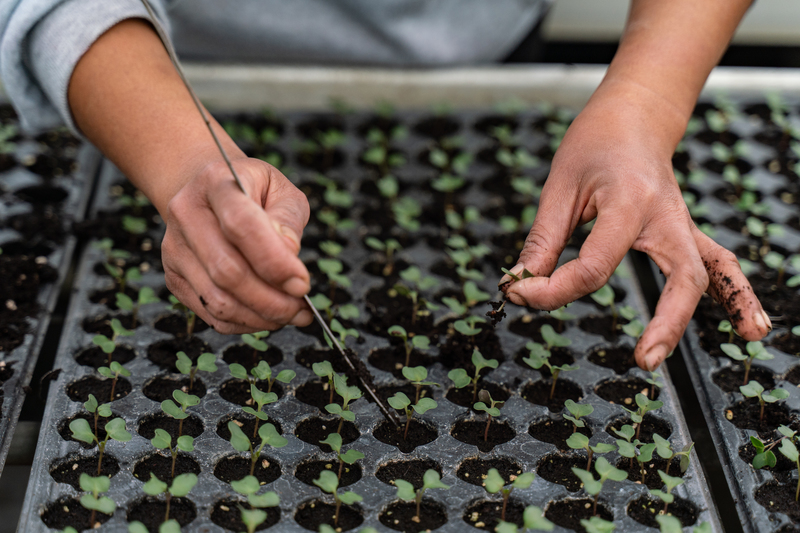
[(776, 186), (47, 498), (48, 188)]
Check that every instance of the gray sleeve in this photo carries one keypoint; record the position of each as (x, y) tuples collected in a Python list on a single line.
[(43, 40)]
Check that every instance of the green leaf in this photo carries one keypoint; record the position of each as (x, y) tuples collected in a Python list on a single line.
[(705, 527), (421, 342), (506, 527), (185, 399), (494, 482), (432, 480), (480, 362), (81, 430), (185, 443), (334, 440), (398, 331), (105, 344), (238, 440), (351, 456), (670, 481), (424, 405), (578, 410), (321, 302), (161, 440), (663, 496), (405, 490), (524, 481), (775, 395), (349, 312), (133, 527), (417, 373), (90, 404), (170, 526), (633, 329), (182, 484), (534, 519), (604, 296), (268, 499), (207, 362), (669, 524), (464, 328), (646, 453), (757, 351), (285, 376), (459, 377), (104, 505), (327, 481), (350, 497), (184, 364), (578, 441), (246, 486), (334, 408), (663, 447), (399, 401), (603, 447), (626, 448), (154, 486), (270, 436), (590, 484), (124, 301), (789, 450), (115, 429), (322, 369), (753, 389), (551, 338), (95, 485), (169, 407), (237, 371), (596, 524)]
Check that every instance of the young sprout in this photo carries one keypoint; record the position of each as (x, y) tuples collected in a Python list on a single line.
[(789, 450), (562, 315), (163, 440), (665, 451), (255, 516), (593, 486), (331, 248), (645, 405), (490, 407), (110, 345), (758, 228), (654, 382), (115, 430), (406, 210), (667, 497), (579, 441), (753, 389), (122, 276), (96, 486), (456, 221), (332, 268), (113, 372), (188, 314), (134, 225), (458, 164), (604, 297), (406, 492), (419, 342), (725, 326), (540, 356), (532, 518), (467, 328), (388, 248), (146, 296), (348, 394), (180, 487), (595, 524), (461, 379), (262, 372), (256, 342), (328, 482), (330, 217), (577, 410), (257, 396), (495, 483), (755, 351), (415, 283), (205, 363), (473, 295), (268, 435), (343, 332), (417, 376), (401, 402), (324, 369), (334, 440), (388, 187), (626, 446), (185, 401)]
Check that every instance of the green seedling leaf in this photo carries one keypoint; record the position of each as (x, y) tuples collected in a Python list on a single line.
[(417, 373), (399, 401), (350, 497), (424, 405), (733, 351), (459, 377), (327, 481), (551, 338), (182, 484), (646, 453), (775, 395), (239, 441), (481, 406), (669, 524), (322, 369), (405, 490), (116, 430), (183, 364), (494, 482), (578, 410), (238, 371), (185, 443), (752, 390), (124, 301), (285, 376), (103, 504), (170, 526), (663, 447), (432, 480), (169, 407), (757, 351), (663, 496), (481, 362), (590, 484), (321, 302), (270, 436), (533, 518), (161, 440), (185, 399), (506, 527), (524, 481), (246, 486), (670, 481), (351, 456), (464, 328), (596, 524), (81, 430), (578, 441), (133, 527), (268, 499), (604, 296), (789, 450), (95, 485), (626, 448), (105, 344), (154, 486), (421, 342), (705, 527), (207, 362), (90, 404), (634, 329), (334, 440)]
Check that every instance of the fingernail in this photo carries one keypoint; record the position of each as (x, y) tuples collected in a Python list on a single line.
[(302, 318), (296, 287), (286, 231), (517, 270), (655, 357), (762, 322)]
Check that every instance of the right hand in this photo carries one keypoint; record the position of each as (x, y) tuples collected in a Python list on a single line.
[(231, 257)]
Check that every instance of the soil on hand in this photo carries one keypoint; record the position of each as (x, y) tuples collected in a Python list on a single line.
[(308, 471), (225, 513), (161, 387), (467, 396), (623, 391), (473, 432), (556, 432), (68, 511), (474, 470), (419, 433), (411, 470), (485, 514), (538, 393), (79, 391), (151, 511), (192, 426), (617, 358), (650, 425), (161, 467), (557, 468), (236, 467), (69, 470), (568, 513), (315, 429), (645, 509), (311, 514), (402, 516)]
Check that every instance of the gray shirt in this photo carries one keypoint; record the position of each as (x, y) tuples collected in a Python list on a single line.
[(42, 40)]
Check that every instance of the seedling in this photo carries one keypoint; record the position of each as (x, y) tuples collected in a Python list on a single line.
[(113, 372), (417, 376), (755, 351), (540, 356), (645, 405), (406, 492), (262, 372), (778, 262), (330, 217), (180, 487), (324, 369), (457, 164), (268, 435), (667, 497), (323, 303), (110, 345), (495, 483), (329, 483), (115, 430), (185, 401), (406, 210), (725, 326), (577, 410), (626, 446), (379, 153), (188, 314), (419, 342), (604, 297), (414, 284), (532, 517), (260, 399), (517, 159), (401, 402), (205, 363), (789, 450), (490, 407), (334, 440), (348, 394), (665, 451), (8, 132), (514, 277), (461, 379), (163, 440), (134, 225), (96, 486), (562, 315), (255, 516), (146, 296), (758, 228), (593, 486), (388, 248), (332, 268), (753, 389), (467, 327), (343, 332), (654, 382), (595, 524), (256, 342), (579, 441)]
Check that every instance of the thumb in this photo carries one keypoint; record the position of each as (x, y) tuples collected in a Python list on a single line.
[(287, 208)]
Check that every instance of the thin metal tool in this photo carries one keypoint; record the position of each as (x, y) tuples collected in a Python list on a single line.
[(389, 414)]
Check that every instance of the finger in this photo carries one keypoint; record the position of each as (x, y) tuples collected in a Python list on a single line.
[(729, 286), (260, 238), (288, 208), (679, 260), (609, 241)]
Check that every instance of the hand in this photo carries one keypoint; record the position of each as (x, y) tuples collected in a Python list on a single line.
[(231, 257), (614, 165)]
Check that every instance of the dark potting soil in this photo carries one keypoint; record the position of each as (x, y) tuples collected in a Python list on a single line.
[(437, 127), (623, 391), (538, 393), (557, 468), (408, 389), (779, 498), (710, 339), (96, 357), (42, 194), (79, 391), (35, 227), (402, 516), (393, 359), (569, 512), (308, 471), (310, 355), (651, 468), (69, 470), (466, 397), (475, 469), (645, 509), (147, 425), (558, 356), (473, 431), (530, 326), (68, 511), (238, 391), (313, 513), (419, 433), (236, 467), (163, 353), (175, 324), (779, 301), (456, 352), (746, 414), (161, 387), (313, 430), (317, 393), (556, 432), (66, 433), (161, 466), (487, 124), (151, 511), (730, 378), (411, 470), (387, 311), (248, 425), (108, 297), (617, 358), (650, 425), (793, 375), (603, 325), (485, 514), (6, 371), (249, 357), (383, 123), (390, 273), (101, 325), (787, 343), (321, 161), (225, 514)]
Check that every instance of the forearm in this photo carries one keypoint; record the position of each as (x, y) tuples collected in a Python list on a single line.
[(127, 99)]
